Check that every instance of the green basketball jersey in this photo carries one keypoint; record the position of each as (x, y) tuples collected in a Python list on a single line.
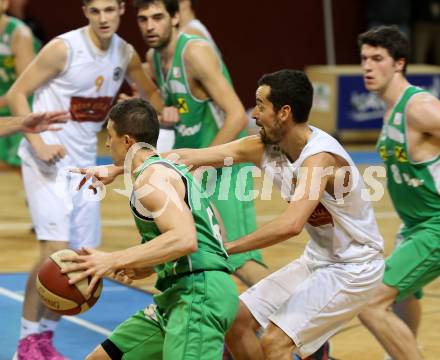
[(210, 254), (7, 60), (414, 187), (200, 120)]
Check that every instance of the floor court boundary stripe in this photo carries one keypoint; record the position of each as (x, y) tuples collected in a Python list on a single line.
[(84, 323), (128, 222)]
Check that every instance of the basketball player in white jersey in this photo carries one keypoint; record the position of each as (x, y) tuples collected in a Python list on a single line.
[(306, 302), (80, 71)]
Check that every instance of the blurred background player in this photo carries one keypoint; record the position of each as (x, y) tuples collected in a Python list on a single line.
[(188, 24), (80, 71), (193, 78), (180, 238), (409, 145), (17, 49)]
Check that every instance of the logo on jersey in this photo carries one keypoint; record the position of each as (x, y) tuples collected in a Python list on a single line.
[(176, 72), (99, 81), (383, 153), (397, 119), (117, 73), (320, 216), (9, 62), (400, 154), (182, 106)]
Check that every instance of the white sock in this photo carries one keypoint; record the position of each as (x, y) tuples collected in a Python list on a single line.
[(28, 328), (48, 325)]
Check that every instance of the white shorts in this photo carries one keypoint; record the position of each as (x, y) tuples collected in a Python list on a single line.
[(312, 304), (166, 139), (58, 211)]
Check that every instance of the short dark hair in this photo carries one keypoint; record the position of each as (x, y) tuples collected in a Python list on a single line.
[(136, 118), (389, 38), (290, 87), (172, 6), (87, 2)]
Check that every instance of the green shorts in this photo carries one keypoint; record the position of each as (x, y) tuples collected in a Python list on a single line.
[(416, 262), (8, 149), (189, 323), (238, 216)]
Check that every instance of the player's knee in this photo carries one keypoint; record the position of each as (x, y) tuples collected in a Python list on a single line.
[(98, 354), (244, 321), (50, 247), (274, 342)]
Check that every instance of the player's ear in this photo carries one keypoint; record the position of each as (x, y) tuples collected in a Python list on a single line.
[(175, 20), (400, 64), (284, 112), (121, 8)]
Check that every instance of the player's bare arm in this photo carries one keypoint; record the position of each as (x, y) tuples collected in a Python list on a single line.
[(311, 184), (23, 51), (161, 192), (248, 149), (423, 116), (203, 65), (144, 84), (49, 62)]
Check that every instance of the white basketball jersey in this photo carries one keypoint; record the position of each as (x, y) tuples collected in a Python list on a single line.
[(86, 87), (342, 229)]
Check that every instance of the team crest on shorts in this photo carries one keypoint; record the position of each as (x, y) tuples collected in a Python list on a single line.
[(117, 73)]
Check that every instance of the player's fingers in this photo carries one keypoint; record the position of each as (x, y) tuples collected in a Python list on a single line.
[(83, 171), (92, 284)]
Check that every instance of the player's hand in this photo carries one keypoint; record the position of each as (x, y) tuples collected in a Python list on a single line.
[(169, 117), (91, 262), (121, 276), (100, 175), (50, 154), (134, 94), (38, 122)]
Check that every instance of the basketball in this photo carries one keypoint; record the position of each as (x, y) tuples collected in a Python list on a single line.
[(57, 294)]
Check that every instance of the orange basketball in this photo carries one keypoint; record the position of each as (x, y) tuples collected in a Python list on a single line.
[(57, 294)]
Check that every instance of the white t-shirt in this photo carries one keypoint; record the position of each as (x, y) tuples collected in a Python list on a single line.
[(342, 229), (86, 87)]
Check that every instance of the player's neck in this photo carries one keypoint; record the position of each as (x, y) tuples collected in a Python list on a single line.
[(101, 44), (140, 157), (296, 138), (392, 93), (167, 52)]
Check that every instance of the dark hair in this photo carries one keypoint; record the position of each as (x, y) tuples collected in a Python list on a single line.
[(172, 6), (389, 38), (290, 87), (87, 2), (137, 118)]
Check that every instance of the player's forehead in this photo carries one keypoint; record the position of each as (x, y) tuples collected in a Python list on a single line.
[(153, 8), (370, 50), (102, 4), (262, 93), (110, 126)]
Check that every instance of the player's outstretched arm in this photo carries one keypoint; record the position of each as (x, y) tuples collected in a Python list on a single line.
[(248, 149), (33, 123), (311, 184), (100, 175)]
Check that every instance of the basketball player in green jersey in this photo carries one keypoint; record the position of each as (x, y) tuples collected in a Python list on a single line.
[(17, 49), (410, 148), (192, 77), (180, 239)]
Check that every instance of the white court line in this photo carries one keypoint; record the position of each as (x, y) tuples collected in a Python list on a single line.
[(84, 323), (129, 221)]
